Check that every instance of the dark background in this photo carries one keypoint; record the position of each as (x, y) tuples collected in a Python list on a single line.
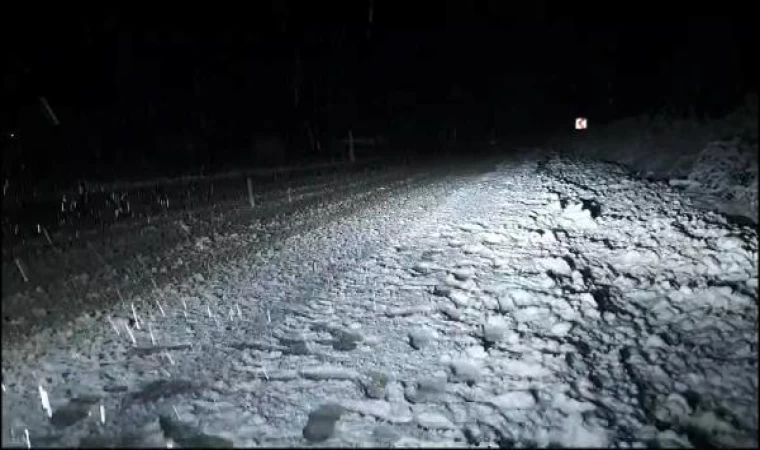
[(148, 94)]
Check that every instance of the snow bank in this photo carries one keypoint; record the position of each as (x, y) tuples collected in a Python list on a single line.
[(716, 160)]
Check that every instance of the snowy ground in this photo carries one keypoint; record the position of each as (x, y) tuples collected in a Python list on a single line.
[(538, 302)]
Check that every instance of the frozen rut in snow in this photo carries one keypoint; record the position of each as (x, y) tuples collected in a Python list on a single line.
[(542, 302)]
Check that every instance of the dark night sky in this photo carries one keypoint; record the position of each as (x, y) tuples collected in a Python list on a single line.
[(489, 50), (478, 65)]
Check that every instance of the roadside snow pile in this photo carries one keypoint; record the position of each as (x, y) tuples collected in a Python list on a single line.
[(727, 169), (714, 161)]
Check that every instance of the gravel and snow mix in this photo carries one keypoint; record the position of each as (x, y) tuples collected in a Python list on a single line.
[(540, 302)]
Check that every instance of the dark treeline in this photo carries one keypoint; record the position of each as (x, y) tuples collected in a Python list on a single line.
[(288, 80)]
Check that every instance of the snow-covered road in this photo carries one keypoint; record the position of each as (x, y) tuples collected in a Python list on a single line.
[(542, 302)]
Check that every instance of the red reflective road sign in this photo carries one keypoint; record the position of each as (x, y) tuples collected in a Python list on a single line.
[(581, 123)]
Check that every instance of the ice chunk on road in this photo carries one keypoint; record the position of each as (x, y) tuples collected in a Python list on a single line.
[(514, 400), (575, 216), (554, 265), (434, 421), (561, 329), (523, 369), (728, 243), (494, 329), (574, 433), (460, 298), (492, 238), (532, 314)]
